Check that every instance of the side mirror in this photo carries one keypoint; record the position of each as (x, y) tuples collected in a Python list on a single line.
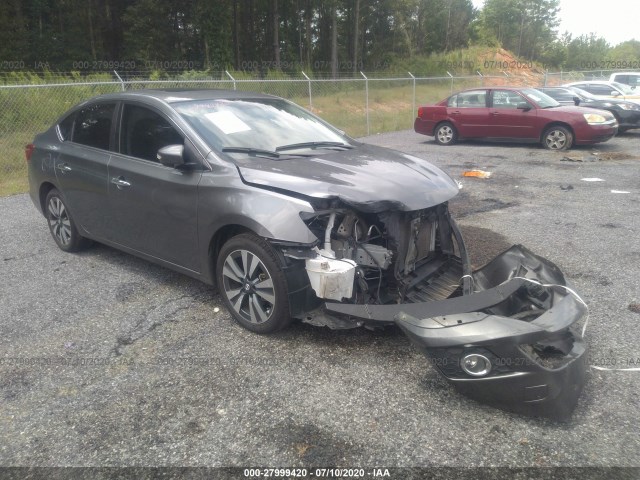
[(524, 106), (576, 101), (171, 156), (615, 93)]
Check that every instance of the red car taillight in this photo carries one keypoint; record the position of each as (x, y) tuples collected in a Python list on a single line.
[(420, 110), (28, 150)]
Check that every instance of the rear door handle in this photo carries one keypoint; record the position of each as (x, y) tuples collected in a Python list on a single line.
[(457, 112), (63, 167), (120, 182), (495, 113)]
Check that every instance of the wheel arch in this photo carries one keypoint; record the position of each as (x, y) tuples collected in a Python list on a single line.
[(557, 123), (43, 191)]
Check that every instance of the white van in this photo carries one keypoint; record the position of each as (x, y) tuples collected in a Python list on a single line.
[(628, 78)]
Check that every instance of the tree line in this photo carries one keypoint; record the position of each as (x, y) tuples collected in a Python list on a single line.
[(332, 36)]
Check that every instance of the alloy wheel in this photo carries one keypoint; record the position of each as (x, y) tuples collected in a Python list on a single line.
[(445, 134), (556, 139), (59, 221), (248, 285)]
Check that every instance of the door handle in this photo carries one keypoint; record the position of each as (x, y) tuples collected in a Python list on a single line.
[(120, 182), (457, 112), (495, 113), (63, 167)]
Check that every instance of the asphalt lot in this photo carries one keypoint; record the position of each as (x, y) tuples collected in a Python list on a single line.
[(106, 360)]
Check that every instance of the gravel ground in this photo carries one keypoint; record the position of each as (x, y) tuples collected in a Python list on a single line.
[(106, 360)]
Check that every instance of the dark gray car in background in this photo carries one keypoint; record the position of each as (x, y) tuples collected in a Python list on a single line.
[(627, 113), (293, 220)]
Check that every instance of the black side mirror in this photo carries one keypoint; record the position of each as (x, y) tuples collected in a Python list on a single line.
[(524, 106), (576, 101), (171, 156)]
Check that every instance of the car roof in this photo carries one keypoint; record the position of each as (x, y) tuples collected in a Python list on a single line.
[(625, 73), (491, 88), (601, 82), (172, 95)]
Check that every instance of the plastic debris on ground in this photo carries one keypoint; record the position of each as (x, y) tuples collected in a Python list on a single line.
[(476, 173), (619, 191), (592, 179)]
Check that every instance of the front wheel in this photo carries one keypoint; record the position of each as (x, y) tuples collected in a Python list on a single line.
[(446, 134), (557, 138), (252, 284), (61, 225)]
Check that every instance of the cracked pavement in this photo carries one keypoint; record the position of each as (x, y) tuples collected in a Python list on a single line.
[(107, 360)]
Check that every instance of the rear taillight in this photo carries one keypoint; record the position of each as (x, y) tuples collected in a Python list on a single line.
[(420, 112), (28, 150)]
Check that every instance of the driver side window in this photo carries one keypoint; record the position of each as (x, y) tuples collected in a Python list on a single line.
[(506, 99), (144, 132)]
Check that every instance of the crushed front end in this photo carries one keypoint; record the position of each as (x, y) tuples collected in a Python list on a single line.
[(504, 334)]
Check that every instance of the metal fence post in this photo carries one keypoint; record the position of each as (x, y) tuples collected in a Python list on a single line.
[(413, 103), (121, 81), (310, 98), (366, 90), (481, 78), (451, 82), (232, 79)]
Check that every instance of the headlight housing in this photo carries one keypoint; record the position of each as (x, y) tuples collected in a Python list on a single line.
[(595, 118)]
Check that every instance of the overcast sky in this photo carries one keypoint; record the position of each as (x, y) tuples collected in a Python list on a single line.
[(615, 20)]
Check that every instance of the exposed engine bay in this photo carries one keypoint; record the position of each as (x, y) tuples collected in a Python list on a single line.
[(384, 258)]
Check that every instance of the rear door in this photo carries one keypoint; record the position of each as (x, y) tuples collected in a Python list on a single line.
[(155, 207), (81, 164), (469, 113), (507, 121)]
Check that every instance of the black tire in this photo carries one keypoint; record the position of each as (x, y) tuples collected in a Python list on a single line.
[(254, 293), (557, 138), (446, 134), (61, 225)]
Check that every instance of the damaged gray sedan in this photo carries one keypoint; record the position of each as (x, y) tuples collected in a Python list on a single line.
[(294, 220)]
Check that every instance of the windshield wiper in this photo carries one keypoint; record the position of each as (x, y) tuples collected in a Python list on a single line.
[(295, 146), (252, 151)]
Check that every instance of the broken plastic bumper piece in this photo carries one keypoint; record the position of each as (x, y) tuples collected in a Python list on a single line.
[(512, 343)]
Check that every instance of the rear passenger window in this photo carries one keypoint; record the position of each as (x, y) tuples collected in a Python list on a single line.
[(65, 127), (144, 132), (473, 99), (93, 125)]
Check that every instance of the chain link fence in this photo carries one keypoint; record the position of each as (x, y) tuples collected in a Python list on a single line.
[(362, 105)]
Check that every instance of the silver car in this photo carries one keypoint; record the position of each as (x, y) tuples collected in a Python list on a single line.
[(294, 220)]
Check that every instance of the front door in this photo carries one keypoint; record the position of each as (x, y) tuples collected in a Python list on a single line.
[(506, 120), (155, 207)]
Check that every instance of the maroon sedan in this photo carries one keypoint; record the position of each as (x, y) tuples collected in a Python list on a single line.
[(514, 114)]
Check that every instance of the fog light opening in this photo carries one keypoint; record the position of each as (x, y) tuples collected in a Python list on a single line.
[(476, 365)]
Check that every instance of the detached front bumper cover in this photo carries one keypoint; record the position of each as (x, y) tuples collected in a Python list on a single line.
[(512, 343)]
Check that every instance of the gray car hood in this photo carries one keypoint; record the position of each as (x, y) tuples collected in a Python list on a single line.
[(369, 178)]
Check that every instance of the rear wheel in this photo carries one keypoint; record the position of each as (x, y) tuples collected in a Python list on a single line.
[(557, 138), (61, 225), (446, 134), (252, 284)]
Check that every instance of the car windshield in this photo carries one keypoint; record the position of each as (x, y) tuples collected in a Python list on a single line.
[(542, 99), (583, 94), (259, 126), (626, 89)]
